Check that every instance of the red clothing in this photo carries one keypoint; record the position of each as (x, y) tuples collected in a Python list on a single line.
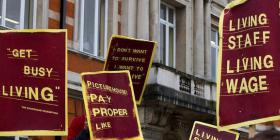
[(76, 127)]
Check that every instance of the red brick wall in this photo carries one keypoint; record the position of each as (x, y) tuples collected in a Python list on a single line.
[(76, 62)]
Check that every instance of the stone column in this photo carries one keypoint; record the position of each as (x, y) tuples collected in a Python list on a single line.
[(112, 18), (143, 19), (189, 37), (181, 39), (252, 131), (198, 50), (207, 39), (42, 14), (154, 25), (128, 17)]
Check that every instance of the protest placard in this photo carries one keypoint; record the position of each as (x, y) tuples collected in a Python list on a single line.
[(33, 82), (249, 63), (204, 131), (134, 55), (110, 106)]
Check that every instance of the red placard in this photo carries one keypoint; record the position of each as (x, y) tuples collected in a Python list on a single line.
[(249, 67), (134, 55), (204, 131), (110, 106), (33, 82)]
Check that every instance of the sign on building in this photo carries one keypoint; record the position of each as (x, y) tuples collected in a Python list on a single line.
[(204, 131), (134, 55), (33, 93), (249, 69), (110, 106)]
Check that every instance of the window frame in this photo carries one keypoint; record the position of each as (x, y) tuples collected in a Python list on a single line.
[(79, 37), (33, 5), (215, 45), (167, 26), (216, 36)]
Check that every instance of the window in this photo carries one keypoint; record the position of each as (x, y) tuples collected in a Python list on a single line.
[(167, 35), (92, 30), (185, 84), (18, 14), (214, 53), (199, 87)]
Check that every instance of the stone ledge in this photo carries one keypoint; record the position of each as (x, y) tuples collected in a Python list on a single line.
[(156, 92)]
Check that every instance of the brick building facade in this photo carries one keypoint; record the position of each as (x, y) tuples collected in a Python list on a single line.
[(182, 83)]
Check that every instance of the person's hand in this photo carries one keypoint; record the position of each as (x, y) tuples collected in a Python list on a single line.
[(86, 125)]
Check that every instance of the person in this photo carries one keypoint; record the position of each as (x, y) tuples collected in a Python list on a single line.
[(267, 135), (78, 129)]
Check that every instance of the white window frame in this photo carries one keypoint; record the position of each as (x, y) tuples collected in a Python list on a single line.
[(22, 13), (96, 27), (216, 46), (216, 38), (106, 28), (167, 25)]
